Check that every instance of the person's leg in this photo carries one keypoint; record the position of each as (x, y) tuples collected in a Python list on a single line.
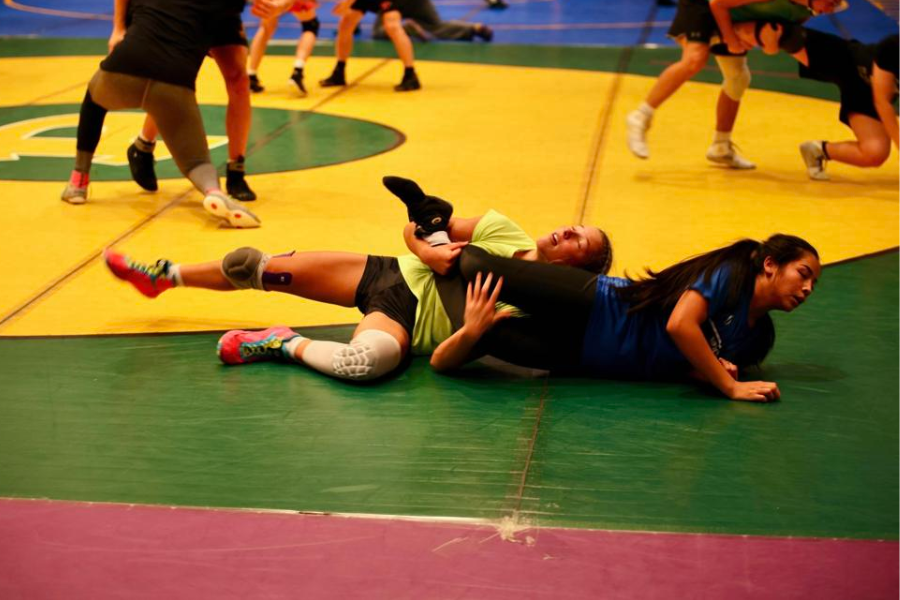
[(232, 62), (393, 27), (310, 26), (870, 149), (735, 82), (343, 46), (426, 16), (693, 58), (267, 28), (90, 127)]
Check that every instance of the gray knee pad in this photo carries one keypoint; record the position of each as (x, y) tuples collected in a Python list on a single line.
[(370, 355), (244, 268), (735, 74)]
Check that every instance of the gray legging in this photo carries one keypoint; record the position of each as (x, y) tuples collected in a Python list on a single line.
[(426, 16), (175, 110)]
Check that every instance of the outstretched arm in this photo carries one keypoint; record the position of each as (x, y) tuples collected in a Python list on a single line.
[(684, 329), (883, 85), (120, 7)]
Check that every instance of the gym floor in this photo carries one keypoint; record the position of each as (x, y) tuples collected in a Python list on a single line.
[(133, 464)]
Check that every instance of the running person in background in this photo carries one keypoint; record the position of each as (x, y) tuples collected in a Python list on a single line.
[(229, 50), (706, 317), (399, 297), (154, 67), (696, 29), (421, 20), (866, 75), (305, 12), (351, 13)]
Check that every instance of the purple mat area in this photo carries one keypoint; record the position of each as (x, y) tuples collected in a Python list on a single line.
[(76, 550)]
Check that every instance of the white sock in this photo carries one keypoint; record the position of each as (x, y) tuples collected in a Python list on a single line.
[(290, 346), (175, 275), (251, 71), (646, 109), (722, 137), (299, 63)]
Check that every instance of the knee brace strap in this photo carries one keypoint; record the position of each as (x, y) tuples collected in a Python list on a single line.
[(244, 268), (370, 355), (736, 75), (311, 25)]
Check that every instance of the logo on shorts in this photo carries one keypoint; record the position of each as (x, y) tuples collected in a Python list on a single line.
[(37, 143)]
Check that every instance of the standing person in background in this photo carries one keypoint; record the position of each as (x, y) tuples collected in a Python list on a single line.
[(305, 12), (351, 13)]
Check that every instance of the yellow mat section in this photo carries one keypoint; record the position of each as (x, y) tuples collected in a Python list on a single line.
[(516, 139)]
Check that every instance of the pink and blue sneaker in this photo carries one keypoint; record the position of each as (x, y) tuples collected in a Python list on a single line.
[(238, 346), (150, 280)]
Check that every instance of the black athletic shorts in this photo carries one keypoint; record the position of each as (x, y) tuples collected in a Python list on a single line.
[(378, 6), (694, 21), (845, 63), (383, 289), (228, 30)]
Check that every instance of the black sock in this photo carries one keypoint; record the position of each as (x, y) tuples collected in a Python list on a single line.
[(825, 150)]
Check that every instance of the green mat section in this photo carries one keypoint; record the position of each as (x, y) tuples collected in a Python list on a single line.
[(155, 419)]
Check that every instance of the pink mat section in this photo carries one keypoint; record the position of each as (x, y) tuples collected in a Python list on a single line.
[(78, 550)]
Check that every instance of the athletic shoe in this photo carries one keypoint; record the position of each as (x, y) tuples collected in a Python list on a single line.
[(255, 86), (814, 157), (636, 125), (497, 4), (74, 194), (150, 280), (334, 80), (236, 185), (142, 171), (485, 33), (726, 153), (297, 80), (220, 205), (409, 83), (238, 347)]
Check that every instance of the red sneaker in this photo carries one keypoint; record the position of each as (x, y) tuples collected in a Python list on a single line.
[(150, 280), (238, 346)]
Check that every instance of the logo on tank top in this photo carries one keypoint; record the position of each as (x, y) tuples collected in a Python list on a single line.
[(37, 143)]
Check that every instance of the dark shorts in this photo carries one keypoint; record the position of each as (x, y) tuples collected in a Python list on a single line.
[(835, 60), (694, 22), (228, 31), (383, 289), (378, 6)]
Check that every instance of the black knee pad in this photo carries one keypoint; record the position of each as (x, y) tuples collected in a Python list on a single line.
[(311, 25)]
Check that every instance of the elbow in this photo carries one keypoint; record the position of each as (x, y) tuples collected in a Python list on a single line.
[(438, 365)]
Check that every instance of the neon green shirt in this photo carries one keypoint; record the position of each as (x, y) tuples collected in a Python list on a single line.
[(495, 233)]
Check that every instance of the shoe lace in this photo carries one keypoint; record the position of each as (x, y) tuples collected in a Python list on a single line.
[(154, 271)]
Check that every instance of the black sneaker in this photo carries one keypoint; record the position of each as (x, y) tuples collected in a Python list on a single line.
[(334, 80), (497, 4), (236, 185), (255, 85), (142, 171), (410, 83), (297, 79), (484, 32)]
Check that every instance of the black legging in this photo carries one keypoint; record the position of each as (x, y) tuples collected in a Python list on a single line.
[(557, 298)]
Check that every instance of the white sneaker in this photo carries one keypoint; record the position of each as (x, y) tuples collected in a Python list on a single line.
[(74, 195), (637, 124), (220, 205), (726, 153), (815, 160)]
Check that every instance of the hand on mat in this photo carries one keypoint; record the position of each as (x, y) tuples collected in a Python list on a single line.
[(481, 306), (442, 258), (755, 391)]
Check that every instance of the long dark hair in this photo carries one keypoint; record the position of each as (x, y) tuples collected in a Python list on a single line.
[(661, 290)]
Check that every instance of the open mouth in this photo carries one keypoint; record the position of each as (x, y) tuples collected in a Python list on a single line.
[(555, 239)]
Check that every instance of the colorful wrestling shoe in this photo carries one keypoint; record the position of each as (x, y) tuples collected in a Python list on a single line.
[(150, 280), (726, 153), (238, 346), (220, 205), (636, 126), (142, 171), (814, 157)]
